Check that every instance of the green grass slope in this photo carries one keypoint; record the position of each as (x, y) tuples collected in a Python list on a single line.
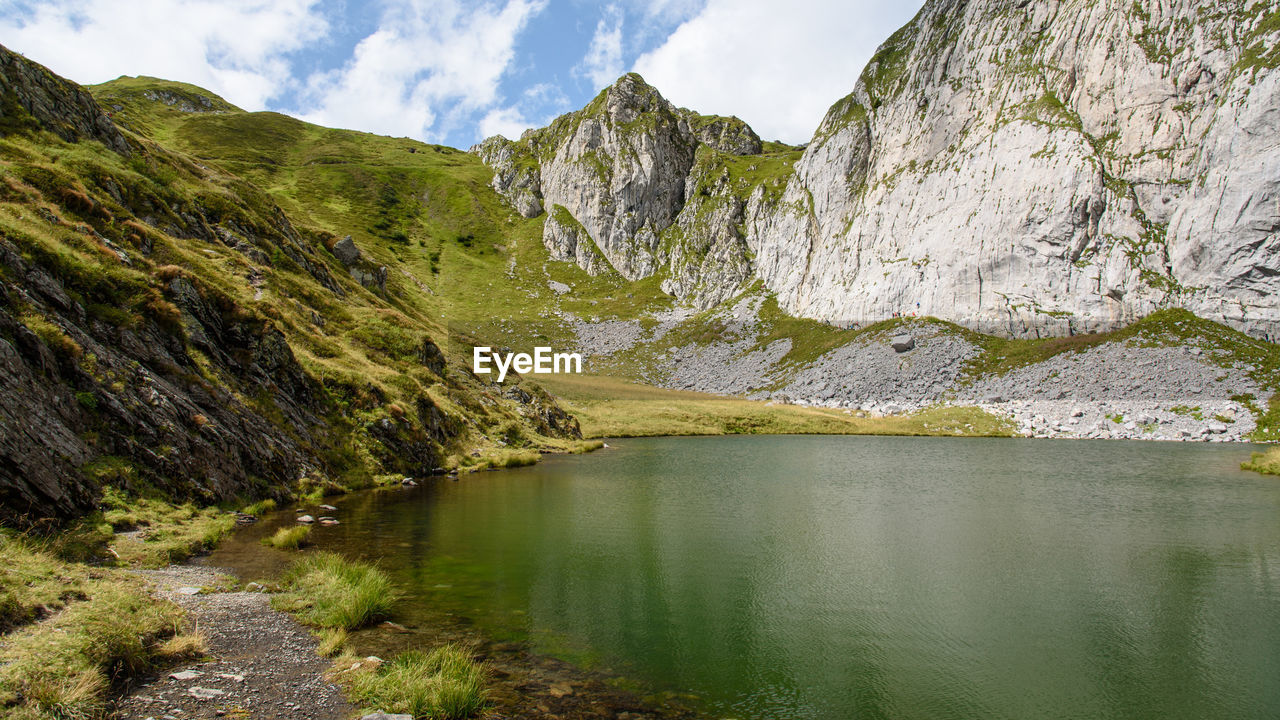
[(193, 254)]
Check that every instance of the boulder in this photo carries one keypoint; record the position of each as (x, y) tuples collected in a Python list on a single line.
[(429, 355), (346, 251), (902, 343), (306, 519)]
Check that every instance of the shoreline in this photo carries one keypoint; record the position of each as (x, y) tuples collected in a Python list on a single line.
[(523, 684)]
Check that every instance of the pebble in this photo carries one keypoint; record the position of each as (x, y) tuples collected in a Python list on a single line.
[(204, 693)]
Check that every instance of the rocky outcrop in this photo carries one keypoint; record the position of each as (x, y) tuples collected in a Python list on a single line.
[(1045, 168), (568, 241), (517, 176), (369, 274), (32, 96), (619, 167), (86, 401), (1027, 168), (634, 184)]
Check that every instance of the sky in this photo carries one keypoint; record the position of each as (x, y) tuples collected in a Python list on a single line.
[(454, 72)]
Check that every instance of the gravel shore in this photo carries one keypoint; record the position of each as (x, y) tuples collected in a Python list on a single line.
[(261, 663), (1123, 389)]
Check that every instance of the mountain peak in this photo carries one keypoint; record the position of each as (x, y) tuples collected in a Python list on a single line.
[(144, 93)]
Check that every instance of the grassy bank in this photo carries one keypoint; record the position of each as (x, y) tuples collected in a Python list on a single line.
[(327, 591), (444, 684), (73, 634), (1267, 462), (335, 595), (609, 407)]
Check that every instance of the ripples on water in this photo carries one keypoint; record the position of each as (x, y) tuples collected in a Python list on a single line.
[(836, 577)]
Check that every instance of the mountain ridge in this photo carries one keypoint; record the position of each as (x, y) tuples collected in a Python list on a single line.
[(993, 166), (169, 328)]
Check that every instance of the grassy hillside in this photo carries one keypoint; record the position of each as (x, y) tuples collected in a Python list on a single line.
[(170, 286), (456, 254)]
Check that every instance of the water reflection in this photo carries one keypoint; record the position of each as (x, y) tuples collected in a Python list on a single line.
[(806, 577)]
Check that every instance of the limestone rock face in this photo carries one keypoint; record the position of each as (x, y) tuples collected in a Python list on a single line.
[(616, 180), (1023, 167), (619, 169), (568, 240), (1043, 168), (516, 177)]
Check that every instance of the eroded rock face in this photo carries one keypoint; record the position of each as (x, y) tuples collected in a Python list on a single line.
[(1025, 168), (619, 169), (614, 180), (1043, 169), (32, 94), (91, 390)]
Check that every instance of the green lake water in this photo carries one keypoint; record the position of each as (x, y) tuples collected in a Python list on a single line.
[(858, 577)]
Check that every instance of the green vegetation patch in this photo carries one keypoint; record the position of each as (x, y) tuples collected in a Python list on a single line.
[(445, 684), (288, 538), (329, 591), (1267, 462), (151, 532), (610, 407), (75, 633)]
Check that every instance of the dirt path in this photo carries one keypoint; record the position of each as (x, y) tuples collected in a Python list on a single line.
[(261, 663)]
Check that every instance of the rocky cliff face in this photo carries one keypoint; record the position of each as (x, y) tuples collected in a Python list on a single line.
[(634, 184), (167, 328), (1043, 168), (1025, 167), (29, 92)]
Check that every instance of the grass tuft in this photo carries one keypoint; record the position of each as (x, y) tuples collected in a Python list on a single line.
[(332, 641), (329, 591), (96, 630), (288, 538), (260, 508), (1267, 463), (445, 684)]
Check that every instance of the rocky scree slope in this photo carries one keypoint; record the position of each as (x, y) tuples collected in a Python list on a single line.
[(166, 327), (1170, 376), (1026, 168)]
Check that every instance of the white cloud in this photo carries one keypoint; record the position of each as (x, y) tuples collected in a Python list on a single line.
[(235, 48), (507, 122), (544, 100), (603, 62), (425, 69), (778, 67)]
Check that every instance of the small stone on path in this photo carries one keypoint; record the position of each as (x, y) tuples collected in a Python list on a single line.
[(186, 675), (205, 693)]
